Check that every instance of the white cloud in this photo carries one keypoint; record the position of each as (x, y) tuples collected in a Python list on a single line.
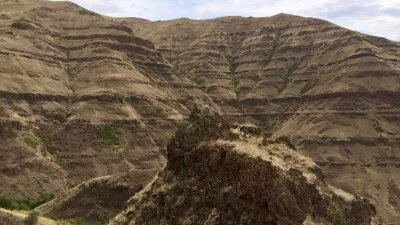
[(376, 17)]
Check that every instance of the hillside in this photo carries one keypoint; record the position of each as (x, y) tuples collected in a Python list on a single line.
[(333, 91), (81, 97), (89, 99)]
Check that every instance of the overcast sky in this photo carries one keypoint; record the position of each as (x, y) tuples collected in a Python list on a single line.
[(376, 17)]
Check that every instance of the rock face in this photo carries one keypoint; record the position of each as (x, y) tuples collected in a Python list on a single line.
[(81, 97), (209, 180), (333, 91)]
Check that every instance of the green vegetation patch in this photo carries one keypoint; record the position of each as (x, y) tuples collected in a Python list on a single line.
[(287, 77), (47, 143), (31, 142), (232, 65), (38, 138), (236, 87), (12, 203), (59, 159), (335, 215), (111, 135)]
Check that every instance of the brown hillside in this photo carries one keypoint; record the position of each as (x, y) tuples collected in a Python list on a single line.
[(80, 97), (335, 92)]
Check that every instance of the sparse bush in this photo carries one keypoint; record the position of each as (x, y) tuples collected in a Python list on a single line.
[(232, 65), (110, 134), (47, 143), (59, 159), (335, 215), (236, 88), (11, 203), (31, 142), (39, 137), (32, 218), (288, 76), (237, 92)]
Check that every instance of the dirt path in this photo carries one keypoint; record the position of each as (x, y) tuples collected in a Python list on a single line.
[(23, 214)]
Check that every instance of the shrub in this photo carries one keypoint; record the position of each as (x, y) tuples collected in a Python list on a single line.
[(31, 142), (288, 76), (110, 135), (39, 137), (59, 159), (335, 215), (237, 92), (11, 203), (32, 218), (232, 65)]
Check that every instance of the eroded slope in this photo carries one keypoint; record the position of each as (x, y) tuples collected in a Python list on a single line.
[(80, 97)]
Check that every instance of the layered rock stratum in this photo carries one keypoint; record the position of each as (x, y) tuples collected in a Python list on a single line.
[(81, 97), (86, 96)]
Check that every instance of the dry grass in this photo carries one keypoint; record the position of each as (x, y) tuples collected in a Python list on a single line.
[(278, 154)]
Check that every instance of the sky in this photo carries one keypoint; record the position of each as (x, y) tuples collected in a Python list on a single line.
[(375, 17)]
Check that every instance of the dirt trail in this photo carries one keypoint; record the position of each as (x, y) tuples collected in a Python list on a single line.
[(23, 214)]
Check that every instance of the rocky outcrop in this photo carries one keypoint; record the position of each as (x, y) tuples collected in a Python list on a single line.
[(209, 180)]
